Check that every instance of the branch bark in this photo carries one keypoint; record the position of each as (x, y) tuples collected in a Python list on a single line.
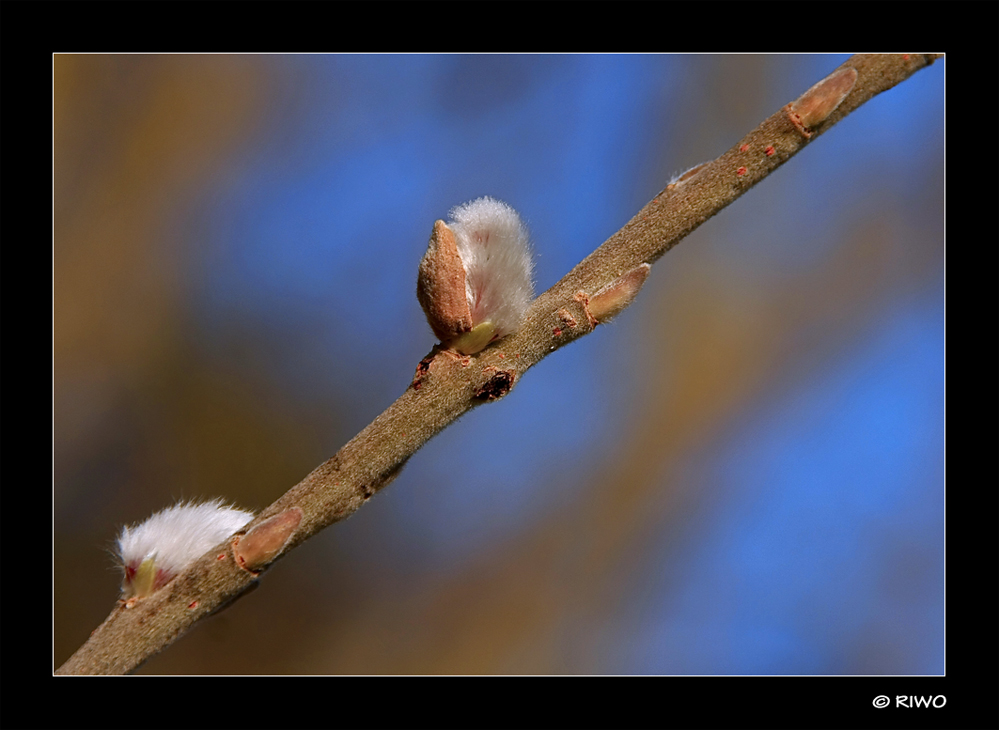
[(446, 385)]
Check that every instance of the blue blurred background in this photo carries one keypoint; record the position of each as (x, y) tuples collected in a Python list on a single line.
[(743, 474)]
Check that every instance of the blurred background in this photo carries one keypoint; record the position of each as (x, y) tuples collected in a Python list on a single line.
[(743, 474)]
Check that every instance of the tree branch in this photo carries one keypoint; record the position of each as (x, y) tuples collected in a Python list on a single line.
[(447, 385)]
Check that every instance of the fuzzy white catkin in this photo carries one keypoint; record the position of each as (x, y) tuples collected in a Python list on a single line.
[(174, 537), (493, 246)]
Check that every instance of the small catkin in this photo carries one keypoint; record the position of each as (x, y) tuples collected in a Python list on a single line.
[(475, 279), (153, 552)]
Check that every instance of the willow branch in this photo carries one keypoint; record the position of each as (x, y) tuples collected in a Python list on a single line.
[(447, 385)]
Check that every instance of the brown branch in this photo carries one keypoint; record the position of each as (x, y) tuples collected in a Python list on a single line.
[(447, 385)]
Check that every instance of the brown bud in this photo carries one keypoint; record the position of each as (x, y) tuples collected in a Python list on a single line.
[(262, 544), (440, 286), (685, 176), (816, 104), (616, 296)]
